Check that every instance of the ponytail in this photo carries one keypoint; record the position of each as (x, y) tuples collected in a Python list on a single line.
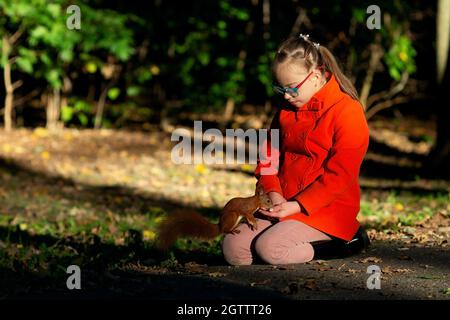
[(331, 65)]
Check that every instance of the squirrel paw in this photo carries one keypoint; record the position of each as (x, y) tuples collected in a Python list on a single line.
[(253, 226)]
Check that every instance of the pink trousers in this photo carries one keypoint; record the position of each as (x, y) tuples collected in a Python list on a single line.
[(275, 243)]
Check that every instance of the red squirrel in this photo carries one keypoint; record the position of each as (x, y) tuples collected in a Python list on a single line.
[(190, 223)]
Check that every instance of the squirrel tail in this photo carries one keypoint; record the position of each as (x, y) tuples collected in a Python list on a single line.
[(185, 224)]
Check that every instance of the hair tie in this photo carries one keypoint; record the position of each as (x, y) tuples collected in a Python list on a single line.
[(305, 37)]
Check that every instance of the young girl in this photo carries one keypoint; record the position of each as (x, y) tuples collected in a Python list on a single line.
[(323, 139)]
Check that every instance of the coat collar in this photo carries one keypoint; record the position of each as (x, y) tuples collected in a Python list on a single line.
[(325, 98), (322, 100)]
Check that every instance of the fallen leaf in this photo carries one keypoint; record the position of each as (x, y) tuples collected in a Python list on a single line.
[(370, 259), (149, 235), (390, 270), (353, 271), (260, 283), (310, 284), (342, 265), (200, 168), (40, 132), (292, 288), (216, 274), (7, 148), (324, 268), (194, 267), (45, 155)]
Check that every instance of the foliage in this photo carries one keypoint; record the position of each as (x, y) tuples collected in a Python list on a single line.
[(202, 54)]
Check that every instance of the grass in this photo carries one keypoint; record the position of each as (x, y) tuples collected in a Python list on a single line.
[(394, 210), (41, 235)]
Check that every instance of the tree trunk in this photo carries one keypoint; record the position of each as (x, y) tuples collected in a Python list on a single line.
[(9, 97), (112, 74), (7, 44), (438, 164), (100, 107), (8, 85), (53, 109)]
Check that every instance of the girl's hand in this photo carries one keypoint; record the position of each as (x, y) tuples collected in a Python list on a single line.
[(276, 198), (283, 209)]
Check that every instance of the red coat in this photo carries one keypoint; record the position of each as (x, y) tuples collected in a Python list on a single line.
[(322, 145)]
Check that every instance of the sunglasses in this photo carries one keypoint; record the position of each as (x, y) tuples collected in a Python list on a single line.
[(293, 92)]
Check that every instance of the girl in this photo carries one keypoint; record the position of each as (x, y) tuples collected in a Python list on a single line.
[(323, 139)]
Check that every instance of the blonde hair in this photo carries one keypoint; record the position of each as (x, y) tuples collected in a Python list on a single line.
[(301, 51)]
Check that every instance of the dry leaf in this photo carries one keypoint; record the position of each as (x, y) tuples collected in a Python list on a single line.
[(353, 271), (370, 259), (260, 283), (310, 284), (216, 274)]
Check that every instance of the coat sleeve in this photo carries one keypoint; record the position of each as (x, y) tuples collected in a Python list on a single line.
[(341, 168), (266, 171)]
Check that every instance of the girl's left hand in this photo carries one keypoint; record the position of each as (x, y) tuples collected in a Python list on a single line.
[(283, 209)]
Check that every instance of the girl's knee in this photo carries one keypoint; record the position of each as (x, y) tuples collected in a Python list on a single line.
[(268, 250), (275, 252), (234, 253)]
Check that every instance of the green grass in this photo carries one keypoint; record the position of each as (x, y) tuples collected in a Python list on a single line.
[(395, 210)]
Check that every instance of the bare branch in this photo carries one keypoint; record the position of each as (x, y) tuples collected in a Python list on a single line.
[(388, 94), (16, 36), (26, 98), (375, 57), (12, 60), (17, 84), (390, 103), (302, 18)]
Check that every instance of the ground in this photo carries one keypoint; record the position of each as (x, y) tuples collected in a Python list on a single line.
[(95, 198)]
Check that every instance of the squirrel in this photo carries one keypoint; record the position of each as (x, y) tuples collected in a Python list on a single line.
[(190, 223)]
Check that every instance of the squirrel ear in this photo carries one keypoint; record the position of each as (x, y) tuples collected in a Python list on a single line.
[(259, 190)]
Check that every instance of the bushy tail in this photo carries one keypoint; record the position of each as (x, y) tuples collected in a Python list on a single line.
[(186, 223)]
